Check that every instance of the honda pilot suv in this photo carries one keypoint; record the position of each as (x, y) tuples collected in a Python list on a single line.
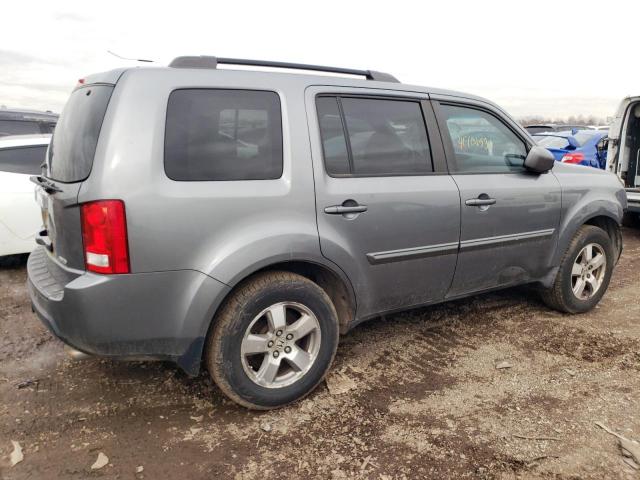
[(243, 220)]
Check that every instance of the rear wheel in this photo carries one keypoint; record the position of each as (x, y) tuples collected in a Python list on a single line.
[(584, 273), (273, 341)]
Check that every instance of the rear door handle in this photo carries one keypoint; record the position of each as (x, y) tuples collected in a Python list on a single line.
[(342, 209), (480, 202)]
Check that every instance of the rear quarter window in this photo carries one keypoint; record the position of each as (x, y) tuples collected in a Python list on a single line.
[(220, 134), (25, 160)]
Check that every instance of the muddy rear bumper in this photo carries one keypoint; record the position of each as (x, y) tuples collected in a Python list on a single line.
[(162, 315)]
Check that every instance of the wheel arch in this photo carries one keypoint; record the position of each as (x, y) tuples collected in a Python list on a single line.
[(335, 284), (330, 278), (612, 228), (604, 216)]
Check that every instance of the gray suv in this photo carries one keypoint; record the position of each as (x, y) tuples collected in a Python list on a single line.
[(243, 220)]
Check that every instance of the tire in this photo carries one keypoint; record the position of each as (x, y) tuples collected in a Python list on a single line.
[(255, 312), (561, 296)]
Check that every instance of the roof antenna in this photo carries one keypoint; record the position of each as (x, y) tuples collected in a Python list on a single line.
[(125, 58)]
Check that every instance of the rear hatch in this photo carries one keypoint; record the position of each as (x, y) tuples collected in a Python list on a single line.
[(69, 162)]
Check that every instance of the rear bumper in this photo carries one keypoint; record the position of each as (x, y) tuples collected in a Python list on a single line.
[(162, 315)]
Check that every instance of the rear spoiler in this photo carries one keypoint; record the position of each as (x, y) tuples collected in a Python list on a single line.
[(110, 77)]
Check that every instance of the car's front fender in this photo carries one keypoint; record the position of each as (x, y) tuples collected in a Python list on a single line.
[(584, 198)]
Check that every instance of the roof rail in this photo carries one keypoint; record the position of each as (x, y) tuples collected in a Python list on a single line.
[(213, 62)]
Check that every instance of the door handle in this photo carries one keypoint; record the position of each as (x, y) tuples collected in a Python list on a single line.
[(343, 209), (480, 202)]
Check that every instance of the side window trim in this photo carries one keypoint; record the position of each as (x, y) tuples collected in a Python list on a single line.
[(425, 118), (347, 140), (436, 142), (449, 150)]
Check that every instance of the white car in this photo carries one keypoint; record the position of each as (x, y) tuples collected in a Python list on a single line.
[(20, 217)]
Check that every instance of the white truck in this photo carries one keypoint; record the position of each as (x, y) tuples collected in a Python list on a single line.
[(623, 157)]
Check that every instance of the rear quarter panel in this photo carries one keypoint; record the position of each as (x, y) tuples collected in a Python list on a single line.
[(225, 229)]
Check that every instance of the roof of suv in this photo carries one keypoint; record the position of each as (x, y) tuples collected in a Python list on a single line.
[(374, 80)]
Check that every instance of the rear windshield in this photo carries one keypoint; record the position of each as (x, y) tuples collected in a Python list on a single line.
[(76, 136), (18, 127), (550, 141), (534, 130), (584, 137), (27, 160)]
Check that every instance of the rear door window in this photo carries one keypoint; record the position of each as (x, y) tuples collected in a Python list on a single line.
[(373, 137), (25, 160), (217, 134), (76, 135)]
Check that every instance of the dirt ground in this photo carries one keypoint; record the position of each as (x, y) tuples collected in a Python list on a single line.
[(413, 395)]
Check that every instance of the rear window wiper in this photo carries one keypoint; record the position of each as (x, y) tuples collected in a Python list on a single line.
[(47, 185)]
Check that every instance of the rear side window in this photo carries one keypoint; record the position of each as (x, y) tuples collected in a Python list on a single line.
[(371, 137), (27, 160), (76, 136), (214, 134), (18, 127)]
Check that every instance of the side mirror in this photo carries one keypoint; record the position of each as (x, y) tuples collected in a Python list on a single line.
[(573, 143), (539, 160)]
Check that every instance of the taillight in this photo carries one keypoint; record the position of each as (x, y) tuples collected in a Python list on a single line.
[(104, 233), (573, 158)]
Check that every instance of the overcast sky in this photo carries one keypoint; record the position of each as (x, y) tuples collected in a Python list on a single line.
[(552, 58)]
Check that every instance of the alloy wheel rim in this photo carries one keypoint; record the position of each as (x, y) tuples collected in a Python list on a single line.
[(588, 271), (280, 344)]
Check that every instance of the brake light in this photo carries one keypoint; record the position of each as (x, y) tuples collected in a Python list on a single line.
[(573, 158), (104, 233)]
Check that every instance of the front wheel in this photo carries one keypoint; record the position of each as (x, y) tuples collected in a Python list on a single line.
[(273, 341), (584, 274)]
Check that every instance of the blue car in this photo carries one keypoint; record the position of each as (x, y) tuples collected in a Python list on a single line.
[(581, 147)]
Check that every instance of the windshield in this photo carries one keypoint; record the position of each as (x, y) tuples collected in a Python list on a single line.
[(76, 137)]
